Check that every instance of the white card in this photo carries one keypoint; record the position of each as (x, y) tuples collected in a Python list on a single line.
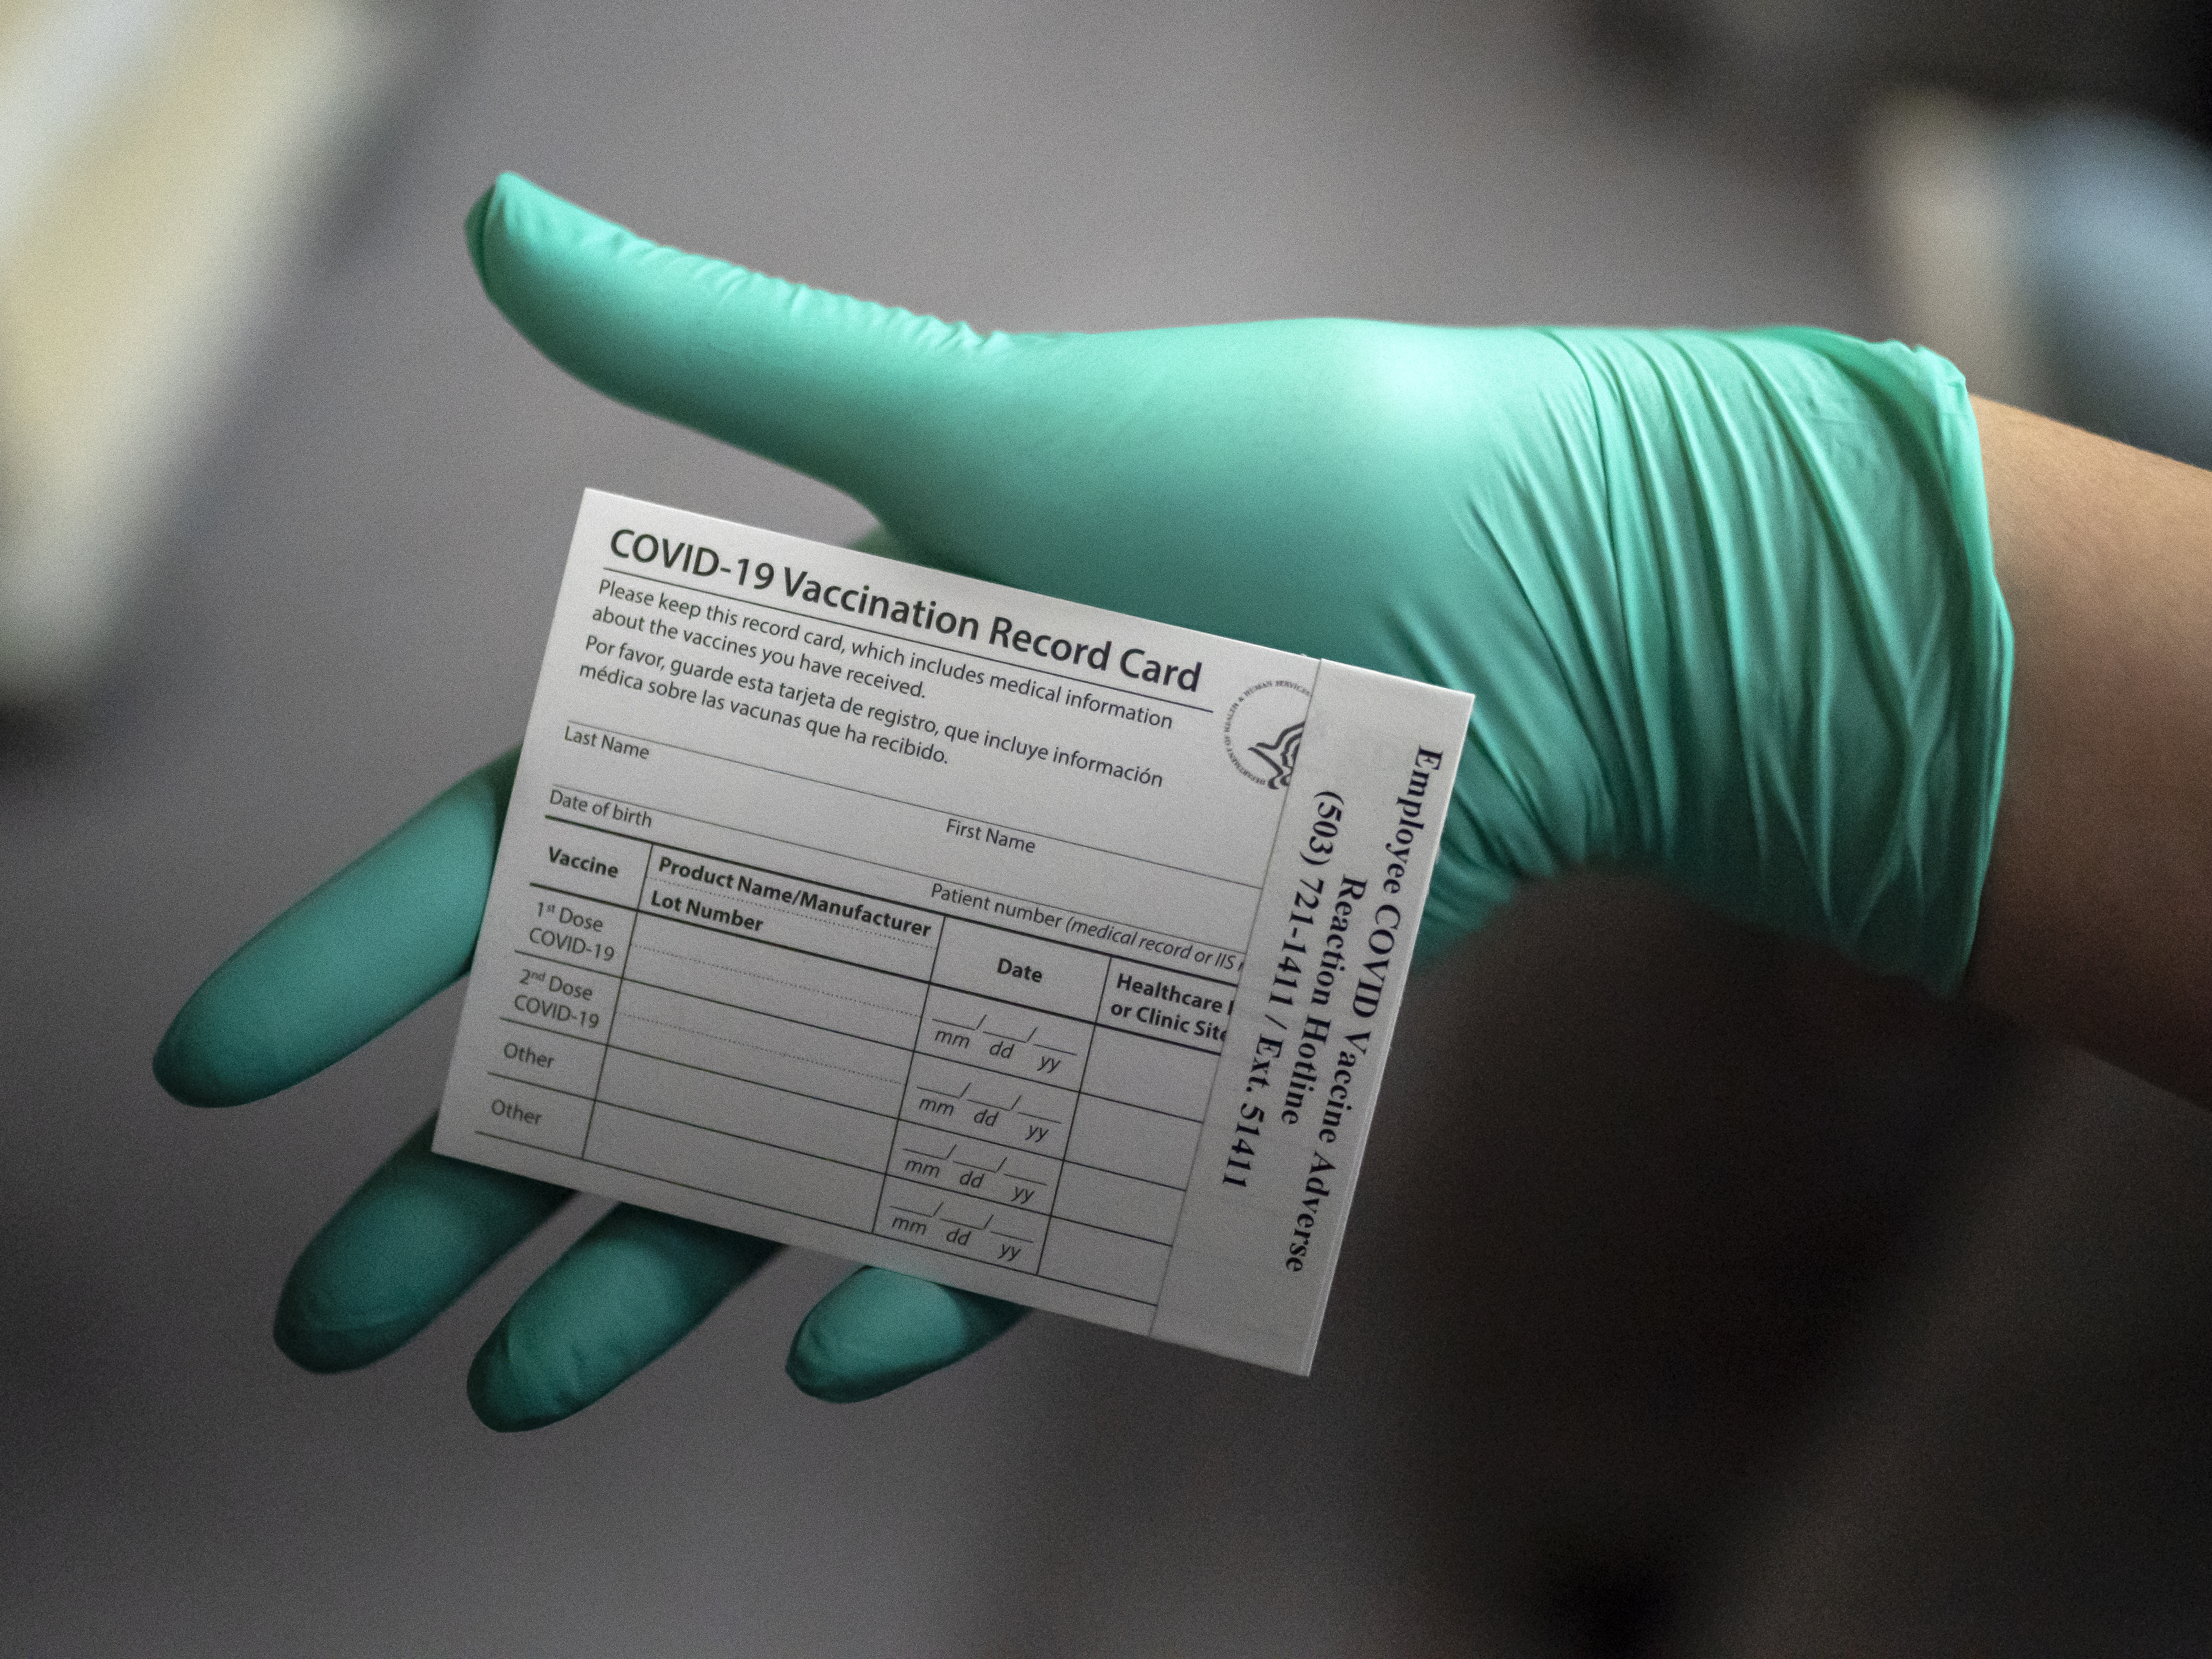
[(1013, 944)]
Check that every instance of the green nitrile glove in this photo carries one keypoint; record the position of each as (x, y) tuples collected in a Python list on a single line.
[(1725, 601)]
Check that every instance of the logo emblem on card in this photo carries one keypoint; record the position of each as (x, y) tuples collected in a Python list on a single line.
[(1264, 728)]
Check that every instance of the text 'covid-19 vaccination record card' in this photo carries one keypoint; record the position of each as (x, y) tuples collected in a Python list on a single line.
[(1010, 943)]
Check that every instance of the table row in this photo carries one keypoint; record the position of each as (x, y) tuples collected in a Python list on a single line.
[(1026, 1137), (582, 917), (1081, 1222)]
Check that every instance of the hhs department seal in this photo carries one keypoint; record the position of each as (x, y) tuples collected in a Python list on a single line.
[(1263, 729)]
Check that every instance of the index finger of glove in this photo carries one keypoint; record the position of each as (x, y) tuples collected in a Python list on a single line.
[(355, 957)]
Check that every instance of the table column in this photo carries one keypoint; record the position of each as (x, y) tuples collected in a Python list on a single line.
[(1153, 1053), (984, 1121), (763, 1036), (556, 1009)]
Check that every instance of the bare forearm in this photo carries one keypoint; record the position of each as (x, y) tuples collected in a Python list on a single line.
[(2096, 920)]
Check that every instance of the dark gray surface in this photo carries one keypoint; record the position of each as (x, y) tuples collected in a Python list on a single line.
[(1641, 1185)]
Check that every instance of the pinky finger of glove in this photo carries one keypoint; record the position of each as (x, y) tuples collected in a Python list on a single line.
[(880, 1330)]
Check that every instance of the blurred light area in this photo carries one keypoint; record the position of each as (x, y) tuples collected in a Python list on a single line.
[(2061, 256), (159, 163), (59, 68), (1800, 60), (1937, 189), (2111, 230), (2035, 176)]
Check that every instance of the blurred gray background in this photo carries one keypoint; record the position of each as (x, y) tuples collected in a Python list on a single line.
[(1702, 1297)]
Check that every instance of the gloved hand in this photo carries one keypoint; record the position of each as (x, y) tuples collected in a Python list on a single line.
[(1725, 601)]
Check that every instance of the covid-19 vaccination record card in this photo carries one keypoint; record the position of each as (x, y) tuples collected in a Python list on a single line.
[(1012, 944)]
